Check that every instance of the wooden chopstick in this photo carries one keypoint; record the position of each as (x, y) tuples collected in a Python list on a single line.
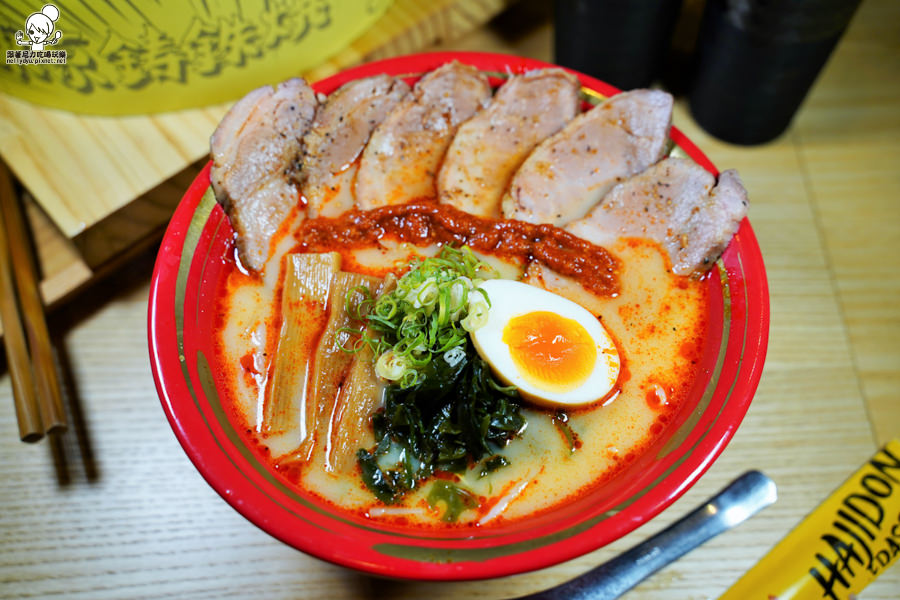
[(31, 427), (40, 348)]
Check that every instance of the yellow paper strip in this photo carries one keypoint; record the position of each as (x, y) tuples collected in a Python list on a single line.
[(839, 548)]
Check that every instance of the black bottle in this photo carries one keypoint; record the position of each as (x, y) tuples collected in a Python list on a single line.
[(621, 42), (757, 59)]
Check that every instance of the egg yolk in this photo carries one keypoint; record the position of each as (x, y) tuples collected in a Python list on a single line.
[(551, 352)]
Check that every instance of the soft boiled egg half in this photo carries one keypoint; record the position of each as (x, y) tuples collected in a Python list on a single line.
[(557, 353)]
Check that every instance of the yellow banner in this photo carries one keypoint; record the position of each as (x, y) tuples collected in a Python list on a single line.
[(839, 548), (130, 57)]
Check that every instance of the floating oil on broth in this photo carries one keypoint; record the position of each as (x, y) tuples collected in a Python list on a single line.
[(657, 320)]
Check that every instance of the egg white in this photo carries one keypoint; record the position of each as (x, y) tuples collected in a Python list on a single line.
[(510, 299)]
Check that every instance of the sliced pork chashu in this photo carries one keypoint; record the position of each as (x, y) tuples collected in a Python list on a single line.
[(342, 126), (401, 160), (489, 147), (256, 155), (571, 171), (677, 203)]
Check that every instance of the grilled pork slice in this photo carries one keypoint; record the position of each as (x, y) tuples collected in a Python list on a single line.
[(337, 137), (571, 171), (676, 203), (403, 155), (489, 147), (256, 152)]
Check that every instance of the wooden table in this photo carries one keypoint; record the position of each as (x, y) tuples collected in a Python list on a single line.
[(118, 511)]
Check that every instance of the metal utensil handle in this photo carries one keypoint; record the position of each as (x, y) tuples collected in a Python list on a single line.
[(739, 500)]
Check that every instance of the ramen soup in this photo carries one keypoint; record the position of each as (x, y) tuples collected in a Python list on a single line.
[(655, 319)]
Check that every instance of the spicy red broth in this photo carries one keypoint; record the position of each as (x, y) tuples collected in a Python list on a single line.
[(656, 318)]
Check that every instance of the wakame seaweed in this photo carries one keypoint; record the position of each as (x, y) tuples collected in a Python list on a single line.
[(453, 417), (561, 421), (491, 464), (455, 499)]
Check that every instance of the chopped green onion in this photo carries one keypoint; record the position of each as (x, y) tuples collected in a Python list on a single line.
[(455, 355), (391, 366), (432, 309), (477, 314)]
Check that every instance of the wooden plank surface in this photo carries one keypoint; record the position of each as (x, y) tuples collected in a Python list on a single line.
[(120, 512), (848, 140)]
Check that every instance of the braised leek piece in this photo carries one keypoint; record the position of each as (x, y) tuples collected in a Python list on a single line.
[(331, 362), (304, 310), (360, 395)]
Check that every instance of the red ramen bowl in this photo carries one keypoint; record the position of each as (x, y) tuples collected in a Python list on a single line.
[(189, 269)]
